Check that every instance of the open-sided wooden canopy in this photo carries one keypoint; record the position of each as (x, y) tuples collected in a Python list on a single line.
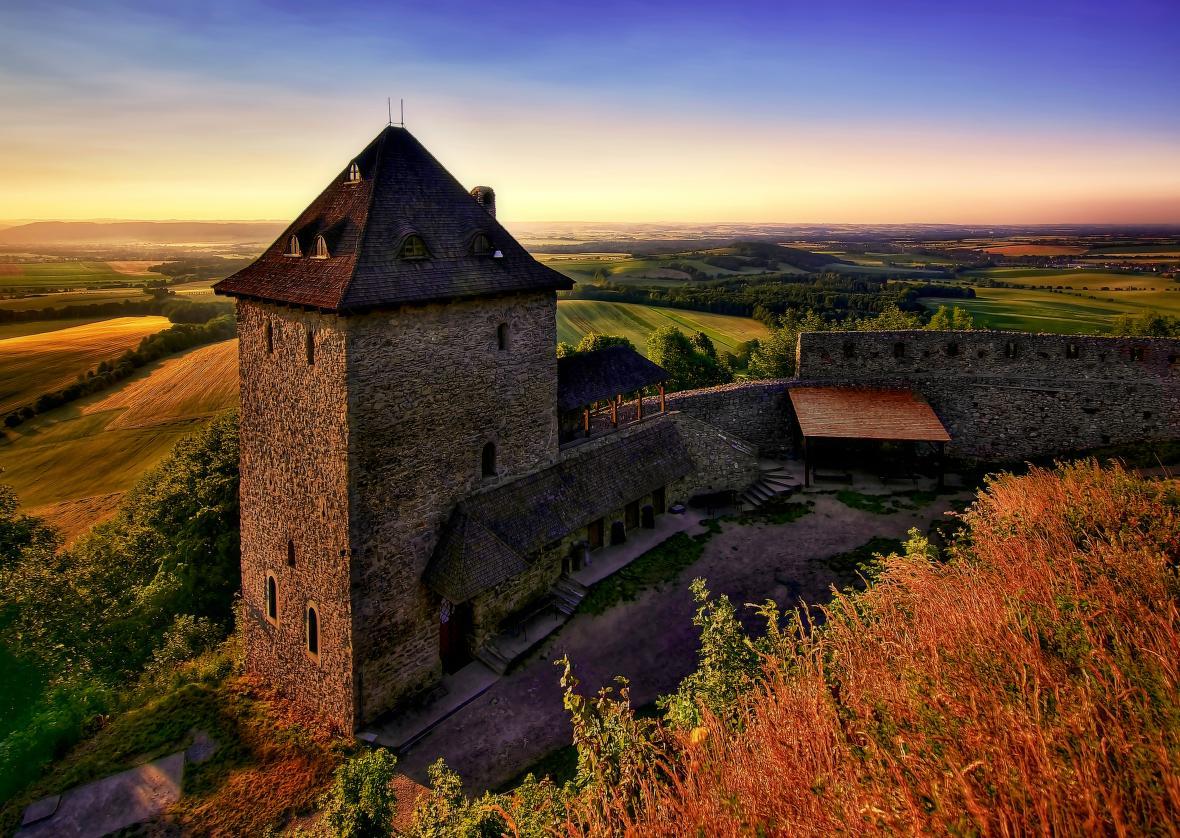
[(866, 413)]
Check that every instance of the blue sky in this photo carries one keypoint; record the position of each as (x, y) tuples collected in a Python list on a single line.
[(611, 111)]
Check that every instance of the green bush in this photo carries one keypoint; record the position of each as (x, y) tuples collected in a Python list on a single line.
[(361, 802)]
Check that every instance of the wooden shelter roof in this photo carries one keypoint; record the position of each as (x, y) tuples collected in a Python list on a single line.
[(866, 413), (587, 377)]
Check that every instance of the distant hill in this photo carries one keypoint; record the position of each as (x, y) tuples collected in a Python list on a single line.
[(141, 232), (802, 259)]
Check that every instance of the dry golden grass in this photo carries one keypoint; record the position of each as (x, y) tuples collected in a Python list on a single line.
[(200, 382), (74, 517), (34, 364), (1027, 686), (135, 267)]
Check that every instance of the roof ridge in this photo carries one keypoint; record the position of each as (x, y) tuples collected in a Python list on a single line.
[(364, 233)]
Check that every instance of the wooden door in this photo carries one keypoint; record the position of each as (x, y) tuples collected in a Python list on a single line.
[(454, 634), (594, 534), (659, 501)]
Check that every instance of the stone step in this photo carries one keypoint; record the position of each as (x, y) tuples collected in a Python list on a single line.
[(760, 491), (490, 657)]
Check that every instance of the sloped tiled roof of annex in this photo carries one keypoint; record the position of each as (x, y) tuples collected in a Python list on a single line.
[(586, 377), (493, 536), (402, 191)]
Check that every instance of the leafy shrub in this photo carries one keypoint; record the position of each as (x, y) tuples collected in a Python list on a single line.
[(361, 802)]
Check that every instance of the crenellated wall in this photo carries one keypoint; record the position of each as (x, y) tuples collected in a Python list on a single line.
[(1008, 396)]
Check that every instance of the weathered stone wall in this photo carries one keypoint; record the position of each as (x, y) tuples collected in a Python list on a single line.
[(294, 459), (1007, 396), (491, 608), (758, 412), (427, 388), (721, 462)]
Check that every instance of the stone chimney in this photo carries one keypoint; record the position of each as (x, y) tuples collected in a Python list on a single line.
[(486, 196)]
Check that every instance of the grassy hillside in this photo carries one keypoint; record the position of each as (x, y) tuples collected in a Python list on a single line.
[(576, 318), (69, 298), (1059, 312), (68, 274), (71, 465), (36, 364)]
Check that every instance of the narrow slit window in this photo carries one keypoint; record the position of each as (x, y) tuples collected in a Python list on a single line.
[(1072, 351), (899, 350), (270, 338), (1137, 353), (272, 599), (502, 336), (849, 349), (310, 347), (293, 248), (290, 554), (313, 631), (952, 349)]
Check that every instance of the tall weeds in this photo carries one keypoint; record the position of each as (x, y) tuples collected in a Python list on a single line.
[(1026, 682)]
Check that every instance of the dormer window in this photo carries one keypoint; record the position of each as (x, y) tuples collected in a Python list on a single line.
[(414, 248), (293, 248), (481, 245), (354, 173), (321, 248)]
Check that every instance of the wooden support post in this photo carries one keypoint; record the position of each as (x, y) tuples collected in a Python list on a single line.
[(806, 465), (614, 412), (586, 421), (663, 403), (639, 407)]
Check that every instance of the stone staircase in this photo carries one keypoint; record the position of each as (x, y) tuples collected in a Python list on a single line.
[(568, 595), (564, 597), (771, 483)]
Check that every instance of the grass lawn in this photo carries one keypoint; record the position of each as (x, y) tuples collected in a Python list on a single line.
[(100, 445), (576, 318), (41, 363)]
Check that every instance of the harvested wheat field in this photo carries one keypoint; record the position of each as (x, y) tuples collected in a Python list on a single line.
[(34, 364), (200, 382), (74, 517)]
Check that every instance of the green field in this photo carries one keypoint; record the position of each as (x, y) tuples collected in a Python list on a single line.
[(69, 298), (576, 318), (69, 274), (1024, 310), (1078, 280)]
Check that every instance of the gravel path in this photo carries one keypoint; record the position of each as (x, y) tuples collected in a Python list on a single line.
[(650, 640)]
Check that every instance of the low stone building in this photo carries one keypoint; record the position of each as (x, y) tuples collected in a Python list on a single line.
[(419, 471)]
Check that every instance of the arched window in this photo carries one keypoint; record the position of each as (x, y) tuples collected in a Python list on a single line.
[(502, 336), (290, 554), (270, 338), (488, 460), (354, 172), (310, 346), (414, 248), (481, 245), (313, 631), (321, 248), (272, 598), (293, 248)]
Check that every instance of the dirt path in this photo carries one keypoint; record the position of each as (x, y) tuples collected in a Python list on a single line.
[(650, 640)]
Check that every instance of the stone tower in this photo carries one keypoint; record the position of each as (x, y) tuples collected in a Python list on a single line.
[(396, 353)]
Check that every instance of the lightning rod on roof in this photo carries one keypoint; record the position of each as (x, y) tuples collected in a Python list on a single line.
[(403, 106), (389, 107)]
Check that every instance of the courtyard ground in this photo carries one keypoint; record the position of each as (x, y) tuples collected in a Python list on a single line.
[(651, 640)]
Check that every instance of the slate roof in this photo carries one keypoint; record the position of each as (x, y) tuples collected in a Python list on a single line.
[(403, 191), (866, 413), (587, 377), (493, 536)]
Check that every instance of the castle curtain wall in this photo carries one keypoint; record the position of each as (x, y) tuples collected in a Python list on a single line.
[(1007, 396)]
